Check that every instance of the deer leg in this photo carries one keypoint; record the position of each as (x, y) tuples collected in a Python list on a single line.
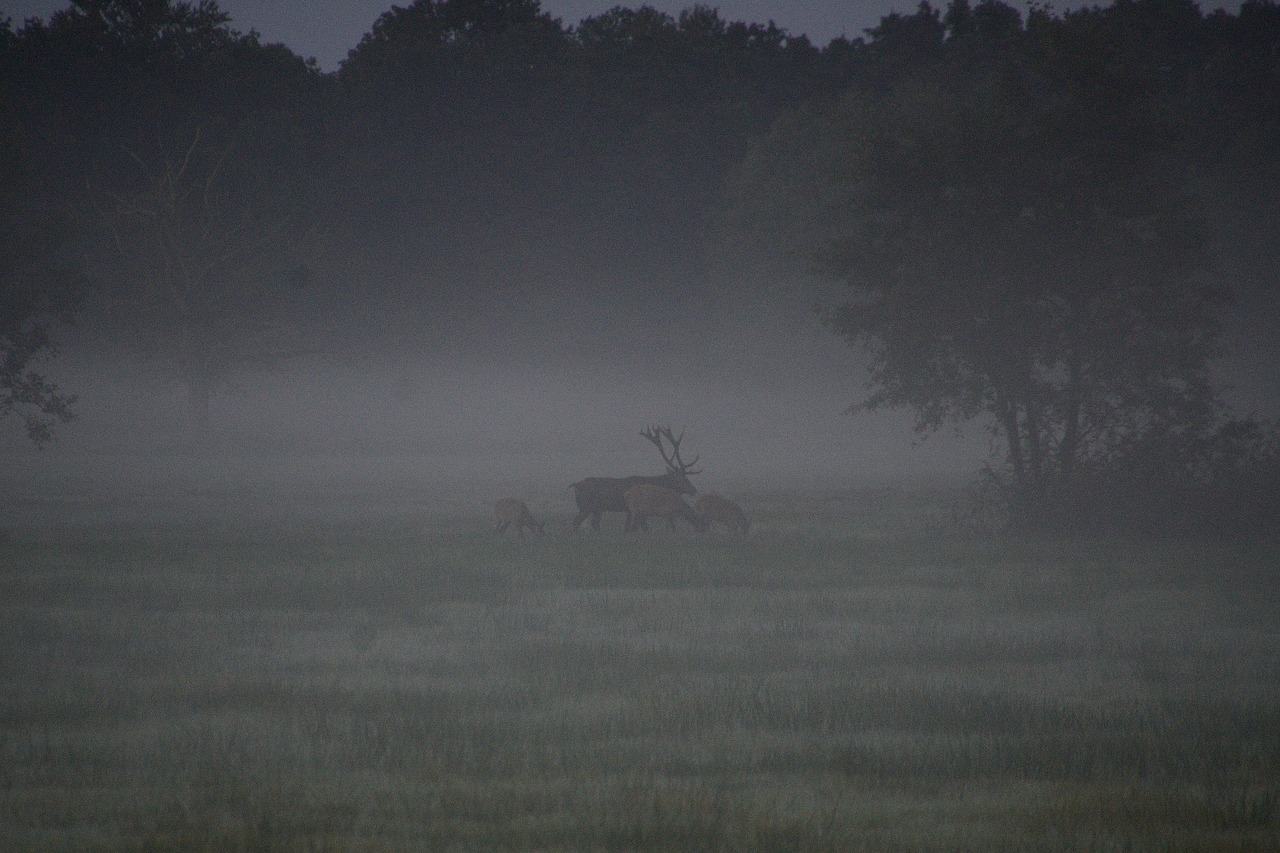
[(595, 521)]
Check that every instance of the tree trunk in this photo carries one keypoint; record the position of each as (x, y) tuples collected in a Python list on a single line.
[(1069, 448), (1009, 422), (1033, 441)]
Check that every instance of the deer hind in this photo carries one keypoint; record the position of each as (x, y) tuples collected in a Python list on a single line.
[(509, 511), (597, 495), (719, 509), (645, 499)]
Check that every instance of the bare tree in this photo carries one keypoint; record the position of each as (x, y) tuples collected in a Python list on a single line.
[(207, 280)]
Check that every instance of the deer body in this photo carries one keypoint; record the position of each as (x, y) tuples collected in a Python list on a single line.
[(716, 508), (598, 495), (646, 499), (509, 511)]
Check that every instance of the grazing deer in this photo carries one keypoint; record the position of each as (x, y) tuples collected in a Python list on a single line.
[(596, 495), (645, 499), (716, 508), (509, 511)]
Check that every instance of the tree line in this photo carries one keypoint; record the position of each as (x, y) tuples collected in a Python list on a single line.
[(1041, 217)]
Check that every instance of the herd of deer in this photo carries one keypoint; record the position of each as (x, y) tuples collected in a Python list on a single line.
[(641, 498)]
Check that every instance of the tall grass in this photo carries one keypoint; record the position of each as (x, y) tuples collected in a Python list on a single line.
[(853, 676)]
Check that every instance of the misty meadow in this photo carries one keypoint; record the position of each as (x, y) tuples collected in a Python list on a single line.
[(647, 433), (261, 671)]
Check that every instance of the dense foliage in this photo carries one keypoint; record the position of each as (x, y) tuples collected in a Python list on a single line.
[(41, 286), (1020, 208)]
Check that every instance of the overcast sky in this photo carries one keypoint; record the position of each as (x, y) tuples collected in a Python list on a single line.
[(327, 29)]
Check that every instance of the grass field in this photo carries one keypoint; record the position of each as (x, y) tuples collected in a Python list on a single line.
[(336, 674)]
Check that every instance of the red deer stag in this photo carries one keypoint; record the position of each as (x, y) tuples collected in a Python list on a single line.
[(716, 508), (646, 499), (596, 495), (509, 511)]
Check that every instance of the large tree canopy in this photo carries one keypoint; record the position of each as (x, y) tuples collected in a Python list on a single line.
[(1008, 270), (1015, 218)]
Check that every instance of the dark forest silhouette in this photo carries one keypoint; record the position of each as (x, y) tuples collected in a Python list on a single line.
[(1042, 216)]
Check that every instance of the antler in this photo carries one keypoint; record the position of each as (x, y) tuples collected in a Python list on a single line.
[(655, 434)]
